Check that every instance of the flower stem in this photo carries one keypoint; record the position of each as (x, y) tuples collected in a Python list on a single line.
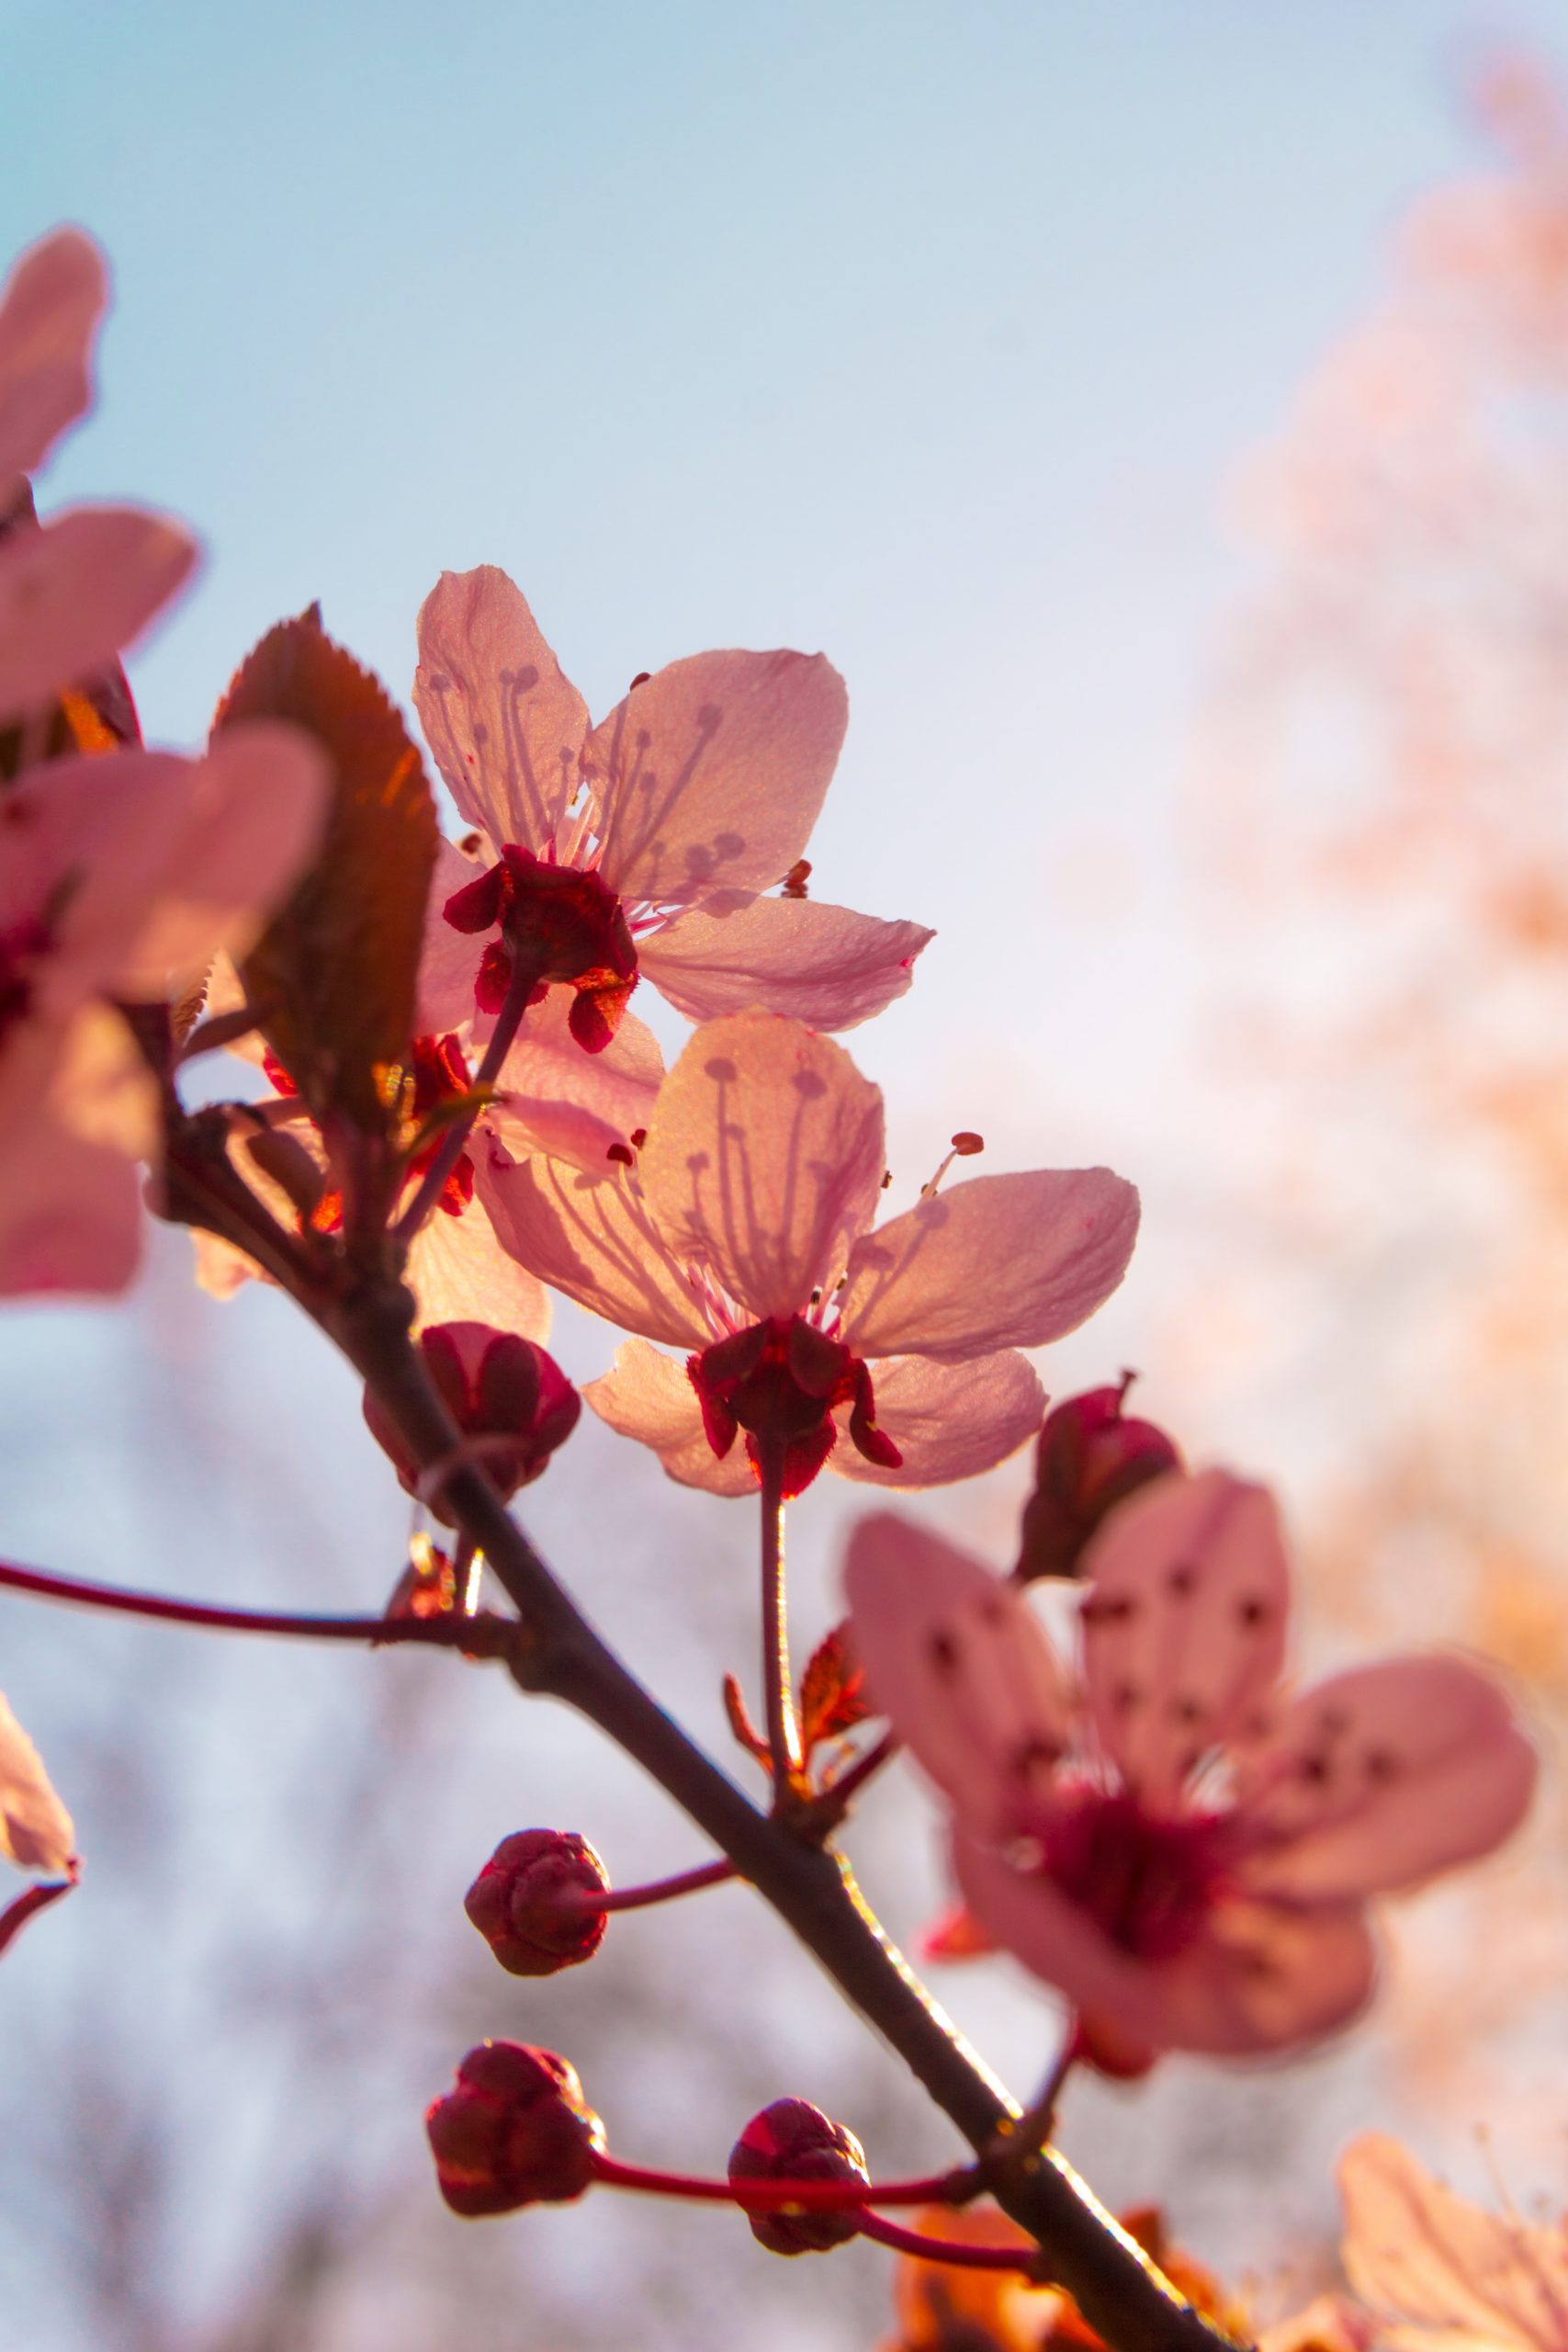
[(1022, 2259), (637, 1899), (486, 1635), (778, 2196), (15, 1916), (834, 1801), (508, 1021), (778, 1687)]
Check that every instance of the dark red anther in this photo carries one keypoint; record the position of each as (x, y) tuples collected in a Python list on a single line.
[(779, 1381), (515, 1902), (791, 2140), (515, 2130), (503, 1391), (564, 925), (1089, 1458)]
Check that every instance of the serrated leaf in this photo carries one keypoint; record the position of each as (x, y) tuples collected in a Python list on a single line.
[(831, 1690), (337, 968)]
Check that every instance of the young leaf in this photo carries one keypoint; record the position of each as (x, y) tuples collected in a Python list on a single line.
[(831, 1690), (337, 968)]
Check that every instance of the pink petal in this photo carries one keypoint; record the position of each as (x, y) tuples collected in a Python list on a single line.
[(460, 1273), (449, 960), (75, 592), (647, 1395), (70, 1214), (36, 1832), (574, 1107), (710, 775), (1000, 1261), (1381, 1777), (1469, 2280), (817, 964), (592, 1237), (764, 1158), (505, 728), (955, 1659), (1184, 1625), (948, 1420), (48, 313), (1259, 1979)]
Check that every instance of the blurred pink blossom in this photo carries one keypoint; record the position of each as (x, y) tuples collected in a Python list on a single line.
[(1439, 2271)]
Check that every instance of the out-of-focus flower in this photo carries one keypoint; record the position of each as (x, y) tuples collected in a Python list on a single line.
[(1090, 1456), (121, 875), (1440, 2271), (644, 844), (77, 588), (743, 1234), (1182, 1848), (36, 1832)]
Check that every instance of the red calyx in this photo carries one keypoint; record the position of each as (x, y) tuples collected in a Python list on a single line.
[(498, 1387), (20, 947), (515, 2130), (565, 925), (439, 1071), (791, 2140), (779, 1381), (515, 1902), (1089, 1458)]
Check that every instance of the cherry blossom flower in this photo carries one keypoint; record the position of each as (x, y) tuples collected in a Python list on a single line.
[(120, 873), (75, 589), (642, 845), (35, 1828), (1444, 2273), (740, 1232), (1180, 1846)]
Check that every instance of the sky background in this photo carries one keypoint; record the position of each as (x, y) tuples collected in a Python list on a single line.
[(930, 337)]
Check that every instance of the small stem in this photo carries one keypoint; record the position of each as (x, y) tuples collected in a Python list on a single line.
[(657, 1890), (776, 2196), (778, 1688), (15, 1916), (508, 1021), (835, 1798), (488, 1634), (1022, 2261), (1016, 2141)]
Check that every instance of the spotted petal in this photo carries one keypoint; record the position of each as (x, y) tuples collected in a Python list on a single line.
[(647, 1395), (948, 1421), (818, 963), (1463, 2281), (506, 729)]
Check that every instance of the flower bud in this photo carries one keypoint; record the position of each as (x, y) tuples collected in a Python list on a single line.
[(791, 2140), (503, 1391), (514, 2129), (1088, 1458), (515, 1902)]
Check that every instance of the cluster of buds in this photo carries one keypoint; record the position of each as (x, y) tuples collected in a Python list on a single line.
[(1089, 1458), (512, 1403)]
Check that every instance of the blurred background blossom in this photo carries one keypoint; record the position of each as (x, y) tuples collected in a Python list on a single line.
[(1161, 418)]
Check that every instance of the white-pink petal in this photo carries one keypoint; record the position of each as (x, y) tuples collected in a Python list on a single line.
[(764, 1158), (1381, 1777), (1000, 1261), (1463, 2281), (75, 592), (948, 1421), (36, 1832), (647, 1395), (460, 1273), (50, 309), (505, 728), (553, 1098), (823, 965), (449, 959), (1183, 1624), (710, 776), (592, 1237)]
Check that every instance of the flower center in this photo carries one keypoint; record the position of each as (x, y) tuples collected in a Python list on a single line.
[(436, 1072), (779, 1381), (558, 923), (1147, 1882)]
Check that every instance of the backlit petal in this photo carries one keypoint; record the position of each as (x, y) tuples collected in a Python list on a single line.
[(647, 1395), (710, 775), (554, 1098), (75, 590), (460, 1273), (36, 1832), (591, 1237), (1000, 1261), (763, 1157), (505, 728), (817, 964), (947, 1421), (1468, 2280), (48, 313)]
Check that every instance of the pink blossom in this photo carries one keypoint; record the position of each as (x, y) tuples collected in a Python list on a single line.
[(1158, 1829), (77, 589), (642, 845), (35, 1828), (742, 1235), (1446, 2275), (121, 875)]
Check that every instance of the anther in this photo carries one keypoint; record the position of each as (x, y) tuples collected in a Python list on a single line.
[(965, 1144)]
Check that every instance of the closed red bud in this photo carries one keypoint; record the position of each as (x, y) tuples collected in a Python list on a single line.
[(515, 1902), (1089, 1458), (515, 2130), (791, 2140), (500, 1389)]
